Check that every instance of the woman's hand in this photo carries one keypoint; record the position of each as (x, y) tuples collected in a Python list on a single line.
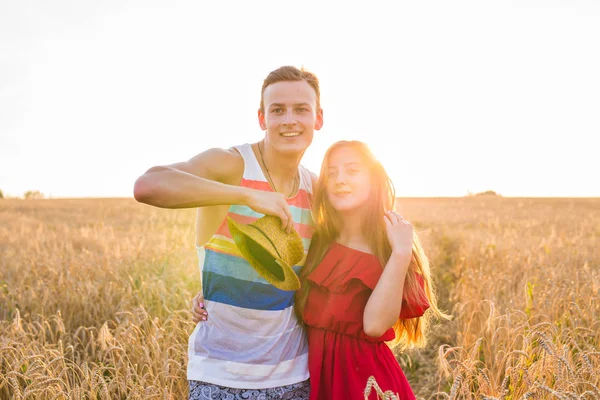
[(198, 311), (385, 303), (399, 233)]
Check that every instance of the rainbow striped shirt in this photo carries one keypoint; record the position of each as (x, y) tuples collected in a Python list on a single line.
[(252, 339)]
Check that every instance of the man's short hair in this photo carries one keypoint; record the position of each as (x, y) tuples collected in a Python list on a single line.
[(289, 73)]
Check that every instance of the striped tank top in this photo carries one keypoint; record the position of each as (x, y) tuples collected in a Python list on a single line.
[(252, 339)]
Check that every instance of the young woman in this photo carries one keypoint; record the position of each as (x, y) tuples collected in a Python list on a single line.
[(366, 280)]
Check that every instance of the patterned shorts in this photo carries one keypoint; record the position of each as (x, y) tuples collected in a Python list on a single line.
[(207, 391)]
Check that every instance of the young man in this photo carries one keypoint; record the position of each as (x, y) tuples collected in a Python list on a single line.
[(253, 345)]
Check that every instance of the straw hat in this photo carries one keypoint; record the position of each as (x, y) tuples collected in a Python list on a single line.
[(270, 250)]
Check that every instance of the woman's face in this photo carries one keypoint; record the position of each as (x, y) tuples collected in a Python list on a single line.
[(348, 180)]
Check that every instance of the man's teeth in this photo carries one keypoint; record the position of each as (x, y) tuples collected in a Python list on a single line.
[(290, 134)]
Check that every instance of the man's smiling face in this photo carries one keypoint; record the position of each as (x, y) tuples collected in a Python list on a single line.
[(290, 116)]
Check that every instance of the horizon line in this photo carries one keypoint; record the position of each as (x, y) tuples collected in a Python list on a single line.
[(397, 197)]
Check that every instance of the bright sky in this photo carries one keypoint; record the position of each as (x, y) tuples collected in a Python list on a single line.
[(453, 96)]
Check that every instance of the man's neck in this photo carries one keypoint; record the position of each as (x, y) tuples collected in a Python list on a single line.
[(283, 169)]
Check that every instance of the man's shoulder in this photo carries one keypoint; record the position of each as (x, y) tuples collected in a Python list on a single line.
[(218, 154), (223, 164)]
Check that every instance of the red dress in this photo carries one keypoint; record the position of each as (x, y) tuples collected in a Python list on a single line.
[(341, 356)]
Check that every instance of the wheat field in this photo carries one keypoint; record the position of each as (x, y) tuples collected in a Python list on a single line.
[(95, 297)]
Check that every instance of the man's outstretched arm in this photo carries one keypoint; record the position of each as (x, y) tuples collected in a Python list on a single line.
[(210, 178)]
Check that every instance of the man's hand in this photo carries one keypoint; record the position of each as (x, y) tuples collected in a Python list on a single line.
[(272, 203), (198, 311)]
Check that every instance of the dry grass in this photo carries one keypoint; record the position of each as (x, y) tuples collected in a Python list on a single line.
[(522, 280), (94, 299)]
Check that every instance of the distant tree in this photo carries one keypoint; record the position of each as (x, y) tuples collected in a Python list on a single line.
[(33, 194), (487, 193), (1, 194)]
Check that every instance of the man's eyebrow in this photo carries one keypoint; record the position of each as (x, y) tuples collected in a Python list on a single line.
[(295, 105)]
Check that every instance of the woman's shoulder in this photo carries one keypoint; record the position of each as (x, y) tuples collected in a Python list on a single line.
[(343, 265)]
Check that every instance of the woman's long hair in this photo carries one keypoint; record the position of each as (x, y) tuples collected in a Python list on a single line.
[(382, 199)]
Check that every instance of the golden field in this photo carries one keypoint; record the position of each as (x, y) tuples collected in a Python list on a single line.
[(95, 297)]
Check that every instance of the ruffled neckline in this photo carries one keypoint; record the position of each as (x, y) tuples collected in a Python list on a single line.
[(342, 266), (338, 244)]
